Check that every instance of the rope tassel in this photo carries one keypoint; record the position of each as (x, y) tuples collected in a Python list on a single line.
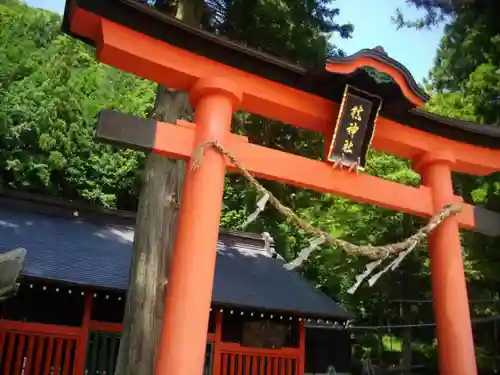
[(393, 265), (361, 277), (261, 205), (305, 252)]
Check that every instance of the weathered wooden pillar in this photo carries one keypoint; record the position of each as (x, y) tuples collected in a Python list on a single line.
[(451, 305), (189, 291)]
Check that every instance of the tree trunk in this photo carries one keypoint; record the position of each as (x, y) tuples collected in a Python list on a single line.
[(155, 229)]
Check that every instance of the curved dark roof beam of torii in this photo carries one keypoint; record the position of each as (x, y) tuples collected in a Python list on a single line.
[(404, 98), (378, 59)]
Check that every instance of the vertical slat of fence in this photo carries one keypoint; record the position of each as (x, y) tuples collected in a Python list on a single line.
[(239, 359), (2, 341), (48, 356), (268, 365), (112, 357), (262, 365), (94, 342), (225, 358), (39, 355), (98, 344), (29, 354), (10, 354), (103, 352), (248, 362), (255, 365), (19, 355), (289, 368), (232, 363), (67, 357), (58, 356)]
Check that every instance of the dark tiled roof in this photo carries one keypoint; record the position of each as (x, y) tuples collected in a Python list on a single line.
[(76, 251)]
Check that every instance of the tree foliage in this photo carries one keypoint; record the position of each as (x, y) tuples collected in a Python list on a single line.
[(436, 12), (51, 91)]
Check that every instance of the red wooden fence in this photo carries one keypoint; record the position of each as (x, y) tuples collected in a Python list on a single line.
[(44, 349), (37, 349), (237, 360)]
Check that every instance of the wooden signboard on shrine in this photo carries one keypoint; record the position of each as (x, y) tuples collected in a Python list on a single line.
[(354, 130)]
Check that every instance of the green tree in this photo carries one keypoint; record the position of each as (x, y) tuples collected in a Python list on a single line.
[(51, 91)]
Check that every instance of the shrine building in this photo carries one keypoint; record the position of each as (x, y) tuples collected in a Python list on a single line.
[(67, 316)]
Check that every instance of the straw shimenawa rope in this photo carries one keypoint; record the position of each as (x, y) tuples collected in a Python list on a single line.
[(369, 251)]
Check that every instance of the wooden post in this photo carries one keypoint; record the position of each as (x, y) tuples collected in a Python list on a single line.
[(302, 348), (451, 305), (217, 341), (189, 293), (81, 348)]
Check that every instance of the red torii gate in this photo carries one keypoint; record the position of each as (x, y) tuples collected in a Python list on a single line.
[(222, 77)]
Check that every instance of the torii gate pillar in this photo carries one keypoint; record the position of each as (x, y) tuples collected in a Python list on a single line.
[(189, 292), (451, 304)]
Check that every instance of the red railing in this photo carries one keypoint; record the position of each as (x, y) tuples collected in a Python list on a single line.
[(237, 360), (44, 349), (37, 349)]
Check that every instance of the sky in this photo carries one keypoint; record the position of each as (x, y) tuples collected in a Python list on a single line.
[(372, 27)]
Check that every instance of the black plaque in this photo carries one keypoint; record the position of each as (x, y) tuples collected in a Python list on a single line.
[(264, 334), (354, 130)]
